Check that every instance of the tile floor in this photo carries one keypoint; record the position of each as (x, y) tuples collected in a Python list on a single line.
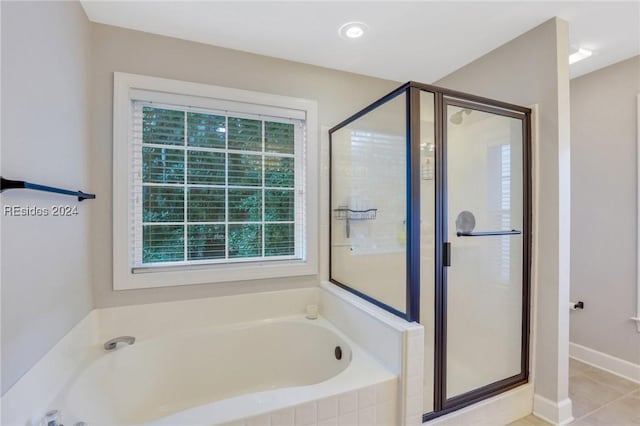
[(599, 399)]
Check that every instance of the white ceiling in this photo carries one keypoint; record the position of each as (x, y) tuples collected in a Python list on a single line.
[(422, 41)]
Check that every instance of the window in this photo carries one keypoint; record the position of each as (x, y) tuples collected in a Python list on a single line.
[(213, 187), (216, 186), (499, 202)]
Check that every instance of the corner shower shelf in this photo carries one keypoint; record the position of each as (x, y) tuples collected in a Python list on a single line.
[(345, 213)]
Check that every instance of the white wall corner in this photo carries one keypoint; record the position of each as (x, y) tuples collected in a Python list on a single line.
[(564, 210), (603, 361), (28, 400), (557, 413)]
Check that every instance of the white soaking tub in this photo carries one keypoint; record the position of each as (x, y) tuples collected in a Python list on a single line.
[(219, 374)]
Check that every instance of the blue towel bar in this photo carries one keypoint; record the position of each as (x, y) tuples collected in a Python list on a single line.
[(20, 184)]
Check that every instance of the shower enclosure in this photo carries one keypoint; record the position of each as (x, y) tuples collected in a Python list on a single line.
[(431, 220)]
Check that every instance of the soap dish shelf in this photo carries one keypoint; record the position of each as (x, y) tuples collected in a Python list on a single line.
[(345, 213)]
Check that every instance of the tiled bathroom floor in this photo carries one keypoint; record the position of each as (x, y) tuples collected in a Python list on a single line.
[(599, 399)]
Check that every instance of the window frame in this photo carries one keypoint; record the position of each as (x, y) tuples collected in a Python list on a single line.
[(132, 87)]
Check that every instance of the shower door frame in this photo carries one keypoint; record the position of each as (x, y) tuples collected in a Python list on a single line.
[(442, 98), (442, 404)]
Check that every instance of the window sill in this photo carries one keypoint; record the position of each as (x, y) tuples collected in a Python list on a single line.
[(186, 275)]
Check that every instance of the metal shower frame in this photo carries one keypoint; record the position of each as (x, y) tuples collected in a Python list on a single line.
[(443, 98)]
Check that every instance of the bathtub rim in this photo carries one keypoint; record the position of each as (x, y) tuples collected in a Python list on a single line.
[(362, 370), (26, 401)]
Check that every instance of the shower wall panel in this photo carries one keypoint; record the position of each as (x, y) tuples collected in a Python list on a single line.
[(368, 199)]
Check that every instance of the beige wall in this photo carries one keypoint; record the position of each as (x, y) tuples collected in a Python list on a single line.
[(603, 206), (339, 95), (533, 69), (41, 304), (45, 260)]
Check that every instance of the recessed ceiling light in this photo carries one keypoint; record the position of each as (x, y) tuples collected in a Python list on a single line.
[(579, 55), (352, 30)]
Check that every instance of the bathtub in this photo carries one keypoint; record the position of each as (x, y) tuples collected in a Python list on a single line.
[(225, 374)]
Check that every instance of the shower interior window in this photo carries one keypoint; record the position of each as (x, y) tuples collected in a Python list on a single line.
[(499, 174)]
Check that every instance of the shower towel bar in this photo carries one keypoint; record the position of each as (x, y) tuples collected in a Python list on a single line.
[(483, 234), (20, 184)]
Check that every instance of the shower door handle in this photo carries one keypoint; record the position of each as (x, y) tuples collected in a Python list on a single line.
[(486, 234), (446, 254)]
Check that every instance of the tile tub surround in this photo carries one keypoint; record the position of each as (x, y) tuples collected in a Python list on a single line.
[(27, 401), (371, 406), (403, 349)]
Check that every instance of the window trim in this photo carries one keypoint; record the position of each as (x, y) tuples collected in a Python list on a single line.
[(129, 87)]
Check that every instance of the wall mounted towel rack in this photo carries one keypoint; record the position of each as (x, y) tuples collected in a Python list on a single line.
[(20, 184)]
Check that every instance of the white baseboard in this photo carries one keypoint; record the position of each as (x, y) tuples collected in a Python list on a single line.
[(556, 413), (617, 366)]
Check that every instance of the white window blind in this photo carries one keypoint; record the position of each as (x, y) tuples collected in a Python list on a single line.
[(212, 186)]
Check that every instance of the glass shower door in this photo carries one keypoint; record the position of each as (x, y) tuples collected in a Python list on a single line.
[(485, 336)]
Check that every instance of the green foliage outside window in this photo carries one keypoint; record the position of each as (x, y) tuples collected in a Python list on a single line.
[(216, 187)]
